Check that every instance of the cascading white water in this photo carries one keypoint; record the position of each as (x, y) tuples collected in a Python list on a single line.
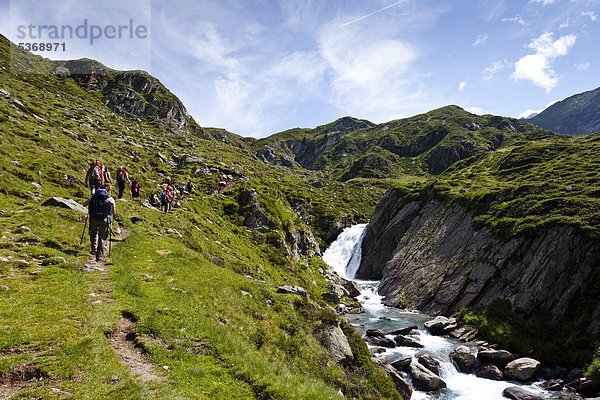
[(344, 257), (344, 254)]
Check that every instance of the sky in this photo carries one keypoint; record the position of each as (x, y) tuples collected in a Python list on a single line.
[(257, 67)]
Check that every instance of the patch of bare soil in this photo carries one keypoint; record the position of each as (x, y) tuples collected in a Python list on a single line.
[(16, 378), (129, 353)]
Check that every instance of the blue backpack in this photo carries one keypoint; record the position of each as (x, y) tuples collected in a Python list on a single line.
[(100, 207)]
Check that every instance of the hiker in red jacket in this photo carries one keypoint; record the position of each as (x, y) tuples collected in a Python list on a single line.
[(95, 176)]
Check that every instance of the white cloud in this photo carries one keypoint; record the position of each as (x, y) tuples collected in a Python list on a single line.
[(593, 16), (475, 110), (583, 66), (537, 67), (304, 67), (370, 75), (565, 24), (530, 113), (489, 72), (462, 85), (517, 18), (481, 40), (543, 2)]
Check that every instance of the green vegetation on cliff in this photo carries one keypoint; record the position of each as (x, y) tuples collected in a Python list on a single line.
[(421, 145)]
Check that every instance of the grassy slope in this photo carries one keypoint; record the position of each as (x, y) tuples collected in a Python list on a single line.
[(209, 313)]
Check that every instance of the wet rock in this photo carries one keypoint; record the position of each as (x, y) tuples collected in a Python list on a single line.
[(490, 371), (351, 287), (464, 358), (521, 369), (402, 363), (377, 350), (439, 324), (589, 388), (374, 333), (497, 357), (402, 331), (65, 203), (430, 362), (553, 385), (381, 342), (517, 393), (292, 290), (469, 335), (401, 385), (424, 379), (407, 341)]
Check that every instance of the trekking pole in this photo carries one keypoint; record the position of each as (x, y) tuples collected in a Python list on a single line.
[(109, 237), (83, 233)]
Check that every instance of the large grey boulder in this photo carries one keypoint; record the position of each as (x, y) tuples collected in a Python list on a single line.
[(338, 345), (430, 362), (517, 393), (292, 290), (439, 324), (464, 358), (521, 369), (497, 357), (424, 379), (65, 203)]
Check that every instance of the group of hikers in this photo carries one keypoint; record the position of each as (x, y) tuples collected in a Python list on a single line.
[(101, 205)]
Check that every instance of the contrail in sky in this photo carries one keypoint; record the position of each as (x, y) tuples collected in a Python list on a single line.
[(373, 13)]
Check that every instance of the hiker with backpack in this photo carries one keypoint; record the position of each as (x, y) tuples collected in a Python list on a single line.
[(135, 189), (101, 209), (154, 200), (166, 198), (122, 177), (95, 176), (190, 187)]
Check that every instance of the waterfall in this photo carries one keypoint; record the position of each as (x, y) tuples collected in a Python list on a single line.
[(344, 254)]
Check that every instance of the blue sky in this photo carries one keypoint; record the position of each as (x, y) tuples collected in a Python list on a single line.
[(259, 67)]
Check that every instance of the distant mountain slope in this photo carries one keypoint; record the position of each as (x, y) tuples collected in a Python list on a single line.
[(424, 144), (575, 115)]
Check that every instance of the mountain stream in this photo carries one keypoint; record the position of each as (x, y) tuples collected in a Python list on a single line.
[(343, 256)]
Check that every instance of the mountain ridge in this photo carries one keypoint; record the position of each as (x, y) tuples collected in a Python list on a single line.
[(578, 114)]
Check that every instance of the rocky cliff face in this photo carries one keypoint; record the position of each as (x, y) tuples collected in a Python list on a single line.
[(134, 93), (429, 256)]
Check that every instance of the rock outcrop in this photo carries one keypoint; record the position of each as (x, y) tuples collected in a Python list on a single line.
[(430, 256)]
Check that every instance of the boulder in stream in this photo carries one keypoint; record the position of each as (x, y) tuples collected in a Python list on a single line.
[(424, 379), (517, 393), (490, 371), (407, 341), (430, 362), (521, 369), (381, 342), (402, 331), (464, 358), (497, 357), (439, 324)]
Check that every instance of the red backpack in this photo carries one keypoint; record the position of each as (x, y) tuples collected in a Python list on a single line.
[(96, 171)]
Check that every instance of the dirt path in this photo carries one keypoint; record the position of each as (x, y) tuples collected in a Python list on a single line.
[(119, 235), (129, 353)]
